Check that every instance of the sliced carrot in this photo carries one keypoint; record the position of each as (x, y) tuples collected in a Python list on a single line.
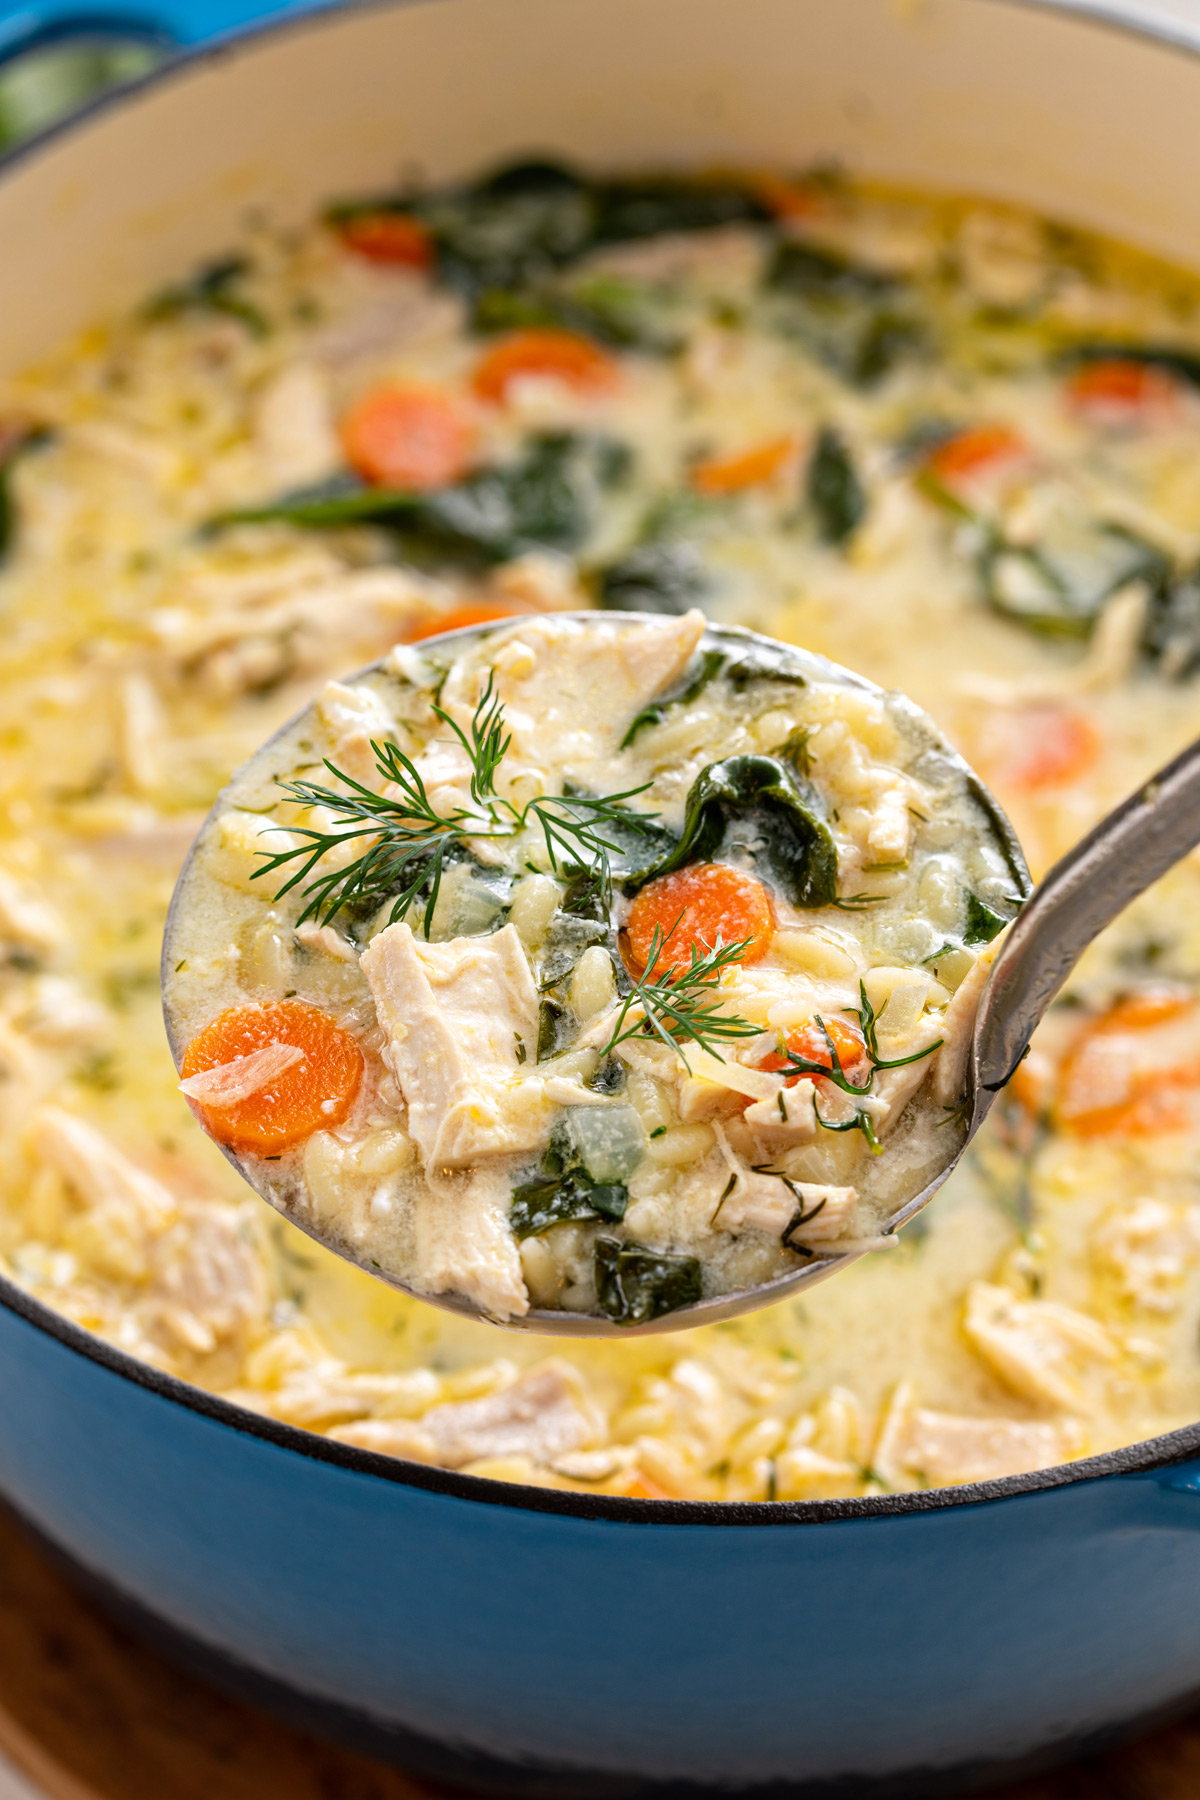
[(313, 1094), (787, 199), (1120, 387), (730, 474), (388, 237), (482, 612), (1030, 749), (812, 1044), (1134, 1071), (695, 908), (562, 355), (970, 454), (640, 1487), (407, 437)]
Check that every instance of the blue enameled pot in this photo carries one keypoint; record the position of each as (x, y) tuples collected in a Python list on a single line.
[(521, 1641)]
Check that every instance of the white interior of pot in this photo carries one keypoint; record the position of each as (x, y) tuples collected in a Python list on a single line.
[(1081, 119)]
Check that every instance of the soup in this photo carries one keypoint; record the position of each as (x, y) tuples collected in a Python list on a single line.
[(948, 445)]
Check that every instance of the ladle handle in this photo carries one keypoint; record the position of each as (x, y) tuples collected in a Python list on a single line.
[(1120, 859)]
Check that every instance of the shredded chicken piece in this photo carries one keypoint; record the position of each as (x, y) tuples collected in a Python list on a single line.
[(1149, 1246), (948, 1083), (568, 702), (126, 1208), (1039, 1349), (764, 1203), (209, 1285), (464, 1244), (456, 1015), (26, 919), (545, 1415), (354, 717), (230, 1082), (942, 1449), (293, 427)]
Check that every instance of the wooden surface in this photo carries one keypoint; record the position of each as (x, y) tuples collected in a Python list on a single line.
[(89, 1713)]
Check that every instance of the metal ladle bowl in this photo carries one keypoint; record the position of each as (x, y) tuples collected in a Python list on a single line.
[(1082, 894)]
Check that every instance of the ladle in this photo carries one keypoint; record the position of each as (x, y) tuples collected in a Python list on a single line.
[(1123, 856)]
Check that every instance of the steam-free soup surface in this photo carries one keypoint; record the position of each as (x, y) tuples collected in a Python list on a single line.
[(949, 445)]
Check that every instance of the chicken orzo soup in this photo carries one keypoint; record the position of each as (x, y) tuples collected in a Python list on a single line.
[(535, 930), (949, 445)]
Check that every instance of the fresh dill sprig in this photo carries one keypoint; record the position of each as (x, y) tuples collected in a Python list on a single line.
[(412, 842), (682, 1006), (834, 1072)]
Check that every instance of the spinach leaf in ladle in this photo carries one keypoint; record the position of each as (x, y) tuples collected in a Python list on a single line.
[(635, 1285), (758, 808)]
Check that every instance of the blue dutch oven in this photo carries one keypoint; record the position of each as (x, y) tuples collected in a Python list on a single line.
[(540, 1643)]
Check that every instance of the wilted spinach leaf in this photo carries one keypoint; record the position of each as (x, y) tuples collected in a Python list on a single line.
[(834, 492), (635, 1285), (758, 807), (800, 268), (510, 229), (711, 664), (15, 442), (214, 289), (853, 318), (563, 1189), (983, 922), (1171, 634), (517, 226), (550, 1200), (1058, 586), (647, 206), (664, 577), (547, 497), (629, 315)]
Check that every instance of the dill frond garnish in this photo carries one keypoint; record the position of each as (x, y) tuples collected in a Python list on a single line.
[(834, 1072), (411, 842), (683, 1006)]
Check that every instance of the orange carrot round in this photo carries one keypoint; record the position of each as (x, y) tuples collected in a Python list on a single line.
[(388, 237), (407, 437), (1120, 387), (787, 199), (313, 1093), (563, 355), (1134, 1071), (482, 612), (730, 474), (970, 454), (812, 1044), (1035, 748), (693, 909)]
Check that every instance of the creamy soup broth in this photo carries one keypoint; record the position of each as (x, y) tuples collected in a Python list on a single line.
[(949, 445)]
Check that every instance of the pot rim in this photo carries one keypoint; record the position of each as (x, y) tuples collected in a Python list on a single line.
[(1142, 1458)]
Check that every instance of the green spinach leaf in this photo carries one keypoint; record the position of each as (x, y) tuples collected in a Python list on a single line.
[(1058, 586), (635, 1285), (711, 664), (547, 497), (214, 289), (626, 314), (550, 1200), (15, 442), (834, 492), (983, 922), (666, 577), (759, 808)]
